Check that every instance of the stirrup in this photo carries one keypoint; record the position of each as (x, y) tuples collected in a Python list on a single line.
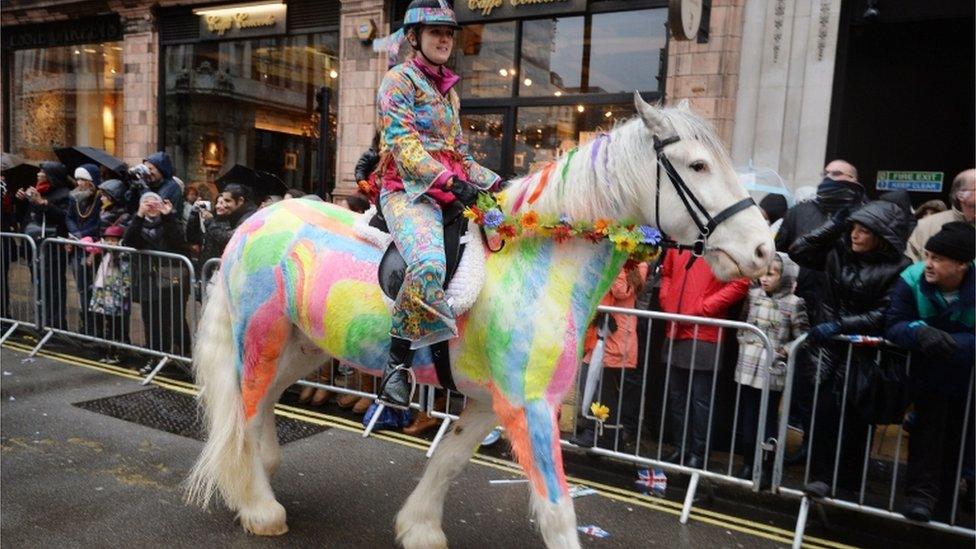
[(413, 389)]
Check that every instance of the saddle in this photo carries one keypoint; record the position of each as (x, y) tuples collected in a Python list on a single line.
[(392, 268)]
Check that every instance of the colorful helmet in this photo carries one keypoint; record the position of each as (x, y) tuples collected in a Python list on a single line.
[(429, 12)]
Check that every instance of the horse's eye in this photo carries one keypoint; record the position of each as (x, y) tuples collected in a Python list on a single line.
[(699, 166)]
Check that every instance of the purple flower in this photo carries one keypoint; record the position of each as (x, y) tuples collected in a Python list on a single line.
[(650, 235), (494, 218)]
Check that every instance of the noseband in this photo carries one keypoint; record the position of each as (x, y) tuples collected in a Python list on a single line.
[(703, 220)]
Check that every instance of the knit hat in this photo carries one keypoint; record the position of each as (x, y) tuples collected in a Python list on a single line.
[(113, 231), (956, 240), (114, 188), (150, 196), (88, 172)]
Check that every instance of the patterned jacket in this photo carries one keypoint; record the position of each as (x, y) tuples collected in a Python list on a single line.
[(419, 122), (782, 316)]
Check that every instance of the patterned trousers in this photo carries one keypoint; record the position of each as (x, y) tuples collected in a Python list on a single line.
[(421, 312)]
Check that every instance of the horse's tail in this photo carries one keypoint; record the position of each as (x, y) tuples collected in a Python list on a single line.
[(225, 462)]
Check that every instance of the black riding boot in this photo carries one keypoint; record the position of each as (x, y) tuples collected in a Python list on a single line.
[(395, 386)]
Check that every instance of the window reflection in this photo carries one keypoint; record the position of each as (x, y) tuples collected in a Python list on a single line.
[(543, 133), (485, 133), (65, 96), (624, 53), (552, 56), (484, 56), (254, 100)]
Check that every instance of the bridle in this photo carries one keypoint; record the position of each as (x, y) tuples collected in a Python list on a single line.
[(703, 220)]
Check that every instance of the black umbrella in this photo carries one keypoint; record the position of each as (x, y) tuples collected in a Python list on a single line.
[(72, 157), (261, 183), (17, 172)]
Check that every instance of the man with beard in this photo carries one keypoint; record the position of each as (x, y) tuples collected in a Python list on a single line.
[(84, 211), (838, 193)]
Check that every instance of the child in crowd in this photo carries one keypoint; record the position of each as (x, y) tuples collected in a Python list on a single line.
[(110, 300), (782, 316)]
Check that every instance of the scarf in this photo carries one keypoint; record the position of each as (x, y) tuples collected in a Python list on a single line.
[(835, 195), (152, 229), (43, 187), (441, 77)]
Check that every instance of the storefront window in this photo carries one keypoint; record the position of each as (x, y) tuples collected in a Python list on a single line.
[(250, 102), (624, 55), (543, 133), (66, 96), (552, 57), (485, 134), (484, 56)]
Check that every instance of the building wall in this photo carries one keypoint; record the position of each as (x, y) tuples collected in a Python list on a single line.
[(362, 71), (707, 75)]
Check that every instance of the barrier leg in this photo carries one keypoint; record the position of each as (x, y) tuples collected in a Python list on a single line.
[(41, 343), (155, 371), (445, 423), (689, 497), (801, 522), (372, 421), (9, 332)]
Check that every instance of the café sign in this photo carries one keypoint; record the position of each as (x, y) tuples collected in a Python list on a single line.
[(243, 21), (476, 11)]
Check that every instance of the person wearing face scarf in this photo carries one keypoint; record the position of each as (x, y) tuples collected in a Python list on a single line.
[(83, 221), (839, 191), (862, 257), (47, 203), (425, 165), (160, 284)]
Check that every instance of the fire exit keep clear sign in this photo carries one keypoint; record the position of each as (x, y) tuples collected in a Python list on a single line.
[(922, 182)]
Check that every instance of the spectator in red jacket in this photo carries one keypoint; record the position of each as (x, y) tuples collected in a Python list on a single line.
[(692, 349)]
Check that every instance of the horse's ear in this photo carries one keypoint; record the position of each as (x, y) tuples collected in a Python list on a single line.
[(684, 105), (651, 116)]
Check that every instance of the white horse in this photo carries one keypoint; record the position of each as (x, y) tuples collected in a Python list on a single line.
[(298, 287)]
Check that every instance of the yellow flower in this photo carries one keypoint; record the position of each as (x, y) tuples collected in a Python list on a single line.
[(601, 411)]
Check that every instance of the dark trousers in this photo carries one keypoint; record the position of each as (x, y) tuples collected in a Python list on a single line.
[(54, 286), (750, 401), (111, 327), (801, 402), (164, 322), (827, 437), (84, 278), (693, 427), (626, 410), (933, 452)]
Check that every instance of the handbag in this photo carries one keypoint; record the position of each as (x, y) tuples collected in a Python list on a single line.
[(880, 389)]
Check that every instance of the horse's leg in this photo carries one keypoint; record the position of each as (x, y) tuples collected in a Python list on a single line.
[(533, 432), (418, 524), (298, 358)]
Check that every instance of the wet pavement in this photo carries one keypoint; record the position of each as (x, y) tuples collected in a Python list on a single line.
[(74, 477)]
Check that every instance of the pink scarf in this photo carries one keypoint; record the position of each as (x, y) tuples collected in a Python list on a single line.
[(442, 77)]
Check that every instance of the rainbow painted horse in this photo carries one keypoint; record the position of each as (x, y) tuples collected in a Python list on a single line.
[(298, 286)]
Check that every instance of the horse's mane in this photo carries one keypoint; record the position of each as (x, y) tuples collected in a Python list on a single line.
[(587, 184)]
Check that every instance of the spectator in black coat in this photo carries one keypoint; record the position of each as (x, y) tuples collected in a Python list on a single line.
[(47, 203), (160, 284), (861, 257), (114, 213), (232, 208), (839, 190)]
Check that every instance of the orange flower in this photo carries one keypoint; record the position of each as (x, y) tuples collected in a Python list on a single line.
[(530, 220), (602, 226)]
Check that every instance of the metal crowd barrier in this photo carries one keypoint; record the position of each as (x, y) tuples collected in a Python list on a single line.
[(650, 428), (109, 284), (876, 492), (18, 286)]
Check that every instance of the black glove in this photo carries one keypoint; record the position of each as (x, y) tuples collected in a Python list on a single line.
[(841, 215), (465, 192), (935, 342)]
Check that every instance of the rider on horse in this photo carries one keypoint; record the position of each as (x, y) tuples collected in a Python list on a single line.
[(425, 165)]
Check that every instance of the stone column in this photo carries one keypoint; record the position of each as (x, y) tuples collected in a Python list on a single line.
[(707, 74), (360, 73), (140, 60), (783, 101)]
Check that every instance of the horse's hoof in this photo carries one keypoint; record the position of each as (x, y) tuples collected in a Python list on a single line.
[(265, 520), (421, 536)]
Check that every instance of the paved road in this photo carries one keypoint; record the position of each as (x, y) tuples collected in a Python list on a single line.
[(73, 477)]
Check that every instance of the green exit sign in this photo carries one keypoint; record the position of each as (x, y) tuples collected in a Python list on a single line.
[(920, 182)]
